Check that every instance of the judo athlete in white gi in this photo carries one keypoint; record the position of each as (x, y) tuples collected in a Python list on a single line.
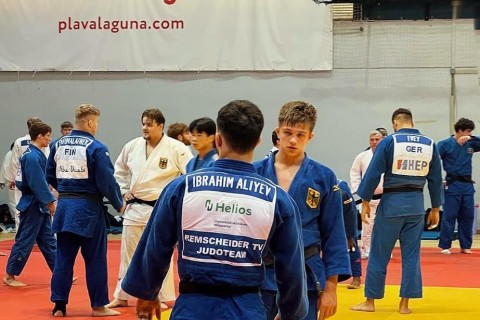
[(314, 189), (143, 169), (456, 153), (223, 219), (202, 132), (79, 167), (36, 206), (408, 159), (14, 172), (357, 172)]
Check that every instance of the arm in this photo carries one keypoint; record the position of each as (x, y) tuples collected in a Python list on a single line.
[(376, 168), (122, 172), (334, 249), (34, 172), (356, 173), (182, 155), (286, 245), (435, 189), (11, 173), (51, 171), (104, 179)]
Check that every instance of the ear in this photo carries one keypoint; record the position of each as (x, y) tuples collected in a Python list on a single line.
[(218, 140)]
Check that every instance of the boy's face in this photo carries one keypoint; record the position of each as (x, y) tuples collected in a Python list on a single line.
[(201, 141), (467, 132), (294, 139), (44, 140)]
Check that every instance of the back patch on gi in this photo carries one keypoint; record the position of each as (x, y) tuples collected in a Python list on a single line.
[(313, 198)]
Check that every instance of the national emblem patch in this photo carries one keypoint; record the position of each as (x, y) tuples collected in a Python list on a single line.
[(163, 163), (313, 198)]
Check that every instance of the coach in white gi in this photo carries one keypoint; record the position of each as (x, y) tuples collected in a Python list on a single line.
[(143, 168), (357, 172)]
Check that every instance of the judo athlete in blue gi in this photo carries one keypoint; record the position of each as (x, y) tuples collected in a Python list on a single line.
[(408, 159), (36, 207), (314, 189), (79, 167), (456, 153), (350, 214), (223, 218), (202, 137)]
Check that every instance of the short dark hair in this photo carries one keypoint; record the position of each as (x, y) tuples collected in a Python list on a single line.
[(240, 122), (402, 114), (464, 124), (298, 112), (274, 138), (66, 124), (154, 114), (204, 124), (176, 129), (383, 131), (38, 128)]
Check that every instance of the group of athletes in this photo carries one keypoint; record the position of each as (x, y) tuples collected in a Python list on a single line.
[(255, 240)]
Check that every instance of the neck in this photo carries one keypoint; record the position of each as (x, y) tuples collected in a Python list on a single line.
[(37, 144), (153, 142), (84, 129), (229, 154), (281, 157), (202, 153)]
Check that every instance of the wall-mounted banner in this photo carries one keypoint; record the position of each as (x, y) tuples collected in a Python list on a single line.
[(164, 35)]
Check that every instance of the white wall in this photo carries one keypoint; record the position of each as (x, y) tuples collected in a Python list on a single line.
[(385, 66)]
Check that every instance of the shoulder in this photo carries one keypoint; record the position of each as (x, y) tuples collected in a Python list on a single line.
[(258, 165)]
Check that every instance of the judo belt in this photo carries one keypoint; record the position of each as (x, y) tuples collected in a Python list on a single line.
[(307, 253), (215, 290), (80, 195), (402, 189), (136, 200), (375, 197), (465, 179)]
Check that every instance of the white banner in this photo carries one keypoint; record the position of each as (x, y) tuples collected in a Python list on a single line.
[(164, 35)]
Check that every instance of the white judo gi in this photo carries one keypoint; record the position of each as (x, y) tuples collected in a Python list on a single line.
[(357, 172), (145, 178)]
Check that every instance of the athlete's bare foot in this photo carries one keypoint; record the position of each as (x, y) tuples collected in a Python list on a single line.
[(117, 303), (466, 251), (2, 254), (355, 283), (9, 280), (403, 307), (366, 306), (104, 312)]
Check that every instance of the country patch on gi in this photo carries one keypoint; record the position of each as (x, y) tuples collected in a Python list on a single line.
[(470, 150), (162, 163), (313, 198)]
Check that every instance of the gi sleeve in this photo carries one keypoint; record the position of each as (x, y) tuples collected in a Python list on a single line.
[(122, 172), (182, 155), (434, 178), (286, 245), (34, 173), (104, 178), (356, 173), (51, 171), (332, 231), (376, 168), (349, 211), (15, 162)]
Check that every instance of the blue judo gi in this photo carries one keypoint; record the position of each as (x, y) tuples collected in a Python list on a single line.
[(79, 167), (223, 218), (350, 216), (207, 161), (408, 159), (36, 223), (459, 191), (317, 195)]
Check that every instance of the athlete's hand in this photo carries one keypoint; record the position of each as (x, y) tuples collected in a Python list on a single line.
[(433, 218), (11, 185), (278, 317), (365, 211), (147, 308), (461, 141), (327, 302), (128, 196), (351, 244)]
